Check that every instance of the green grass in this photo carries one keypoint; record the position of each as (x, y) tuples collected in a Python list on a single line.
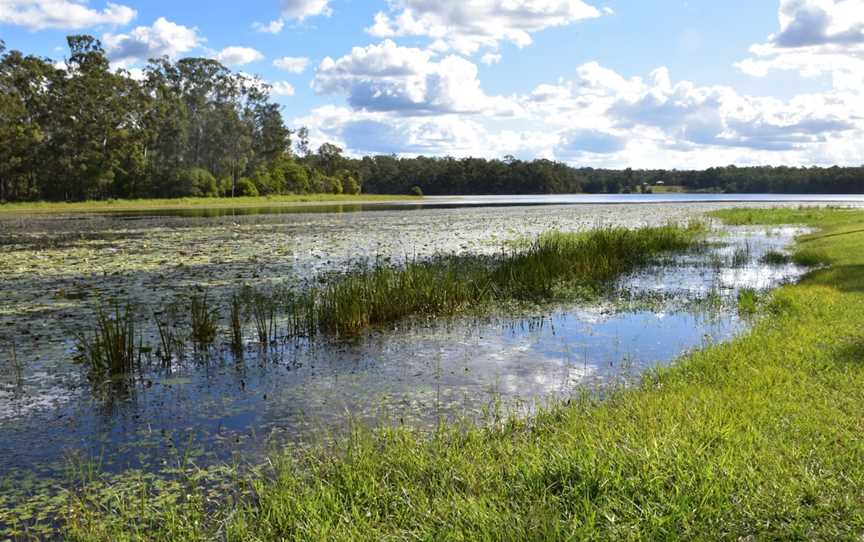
[(758, 439), (193, 203)]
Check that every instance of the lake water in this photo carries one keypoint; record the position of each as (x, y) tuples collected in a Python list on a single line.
[(452, 202)]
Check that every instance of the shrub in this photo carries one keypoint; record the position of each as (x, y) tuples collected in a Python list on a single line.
[(245, 187), (416, 191)]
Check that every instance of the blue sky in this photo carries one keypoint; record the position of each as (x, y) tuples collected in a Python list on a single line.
[(608, 83)]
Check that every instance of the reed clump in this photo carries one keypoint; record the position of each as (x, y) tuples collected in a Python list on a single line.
[(204, 319), (446, 285), (110, 351)]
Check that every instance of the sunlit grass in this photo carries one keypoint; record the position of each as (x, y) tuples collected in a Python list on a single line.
[(193, 203)]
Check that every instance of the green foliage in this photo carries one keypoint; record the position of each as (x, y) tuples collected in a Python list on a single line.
[(416, 191), (247, 188)]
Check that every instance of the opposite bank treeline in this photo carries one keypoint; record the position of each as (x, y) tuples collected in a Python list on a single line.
[(78, 130)]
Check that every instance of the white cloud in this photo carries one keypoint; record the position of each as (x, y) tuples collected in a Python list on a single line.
[(405, 80), (301, 9), (298, 10), (64, 14), (368, 132), (292, 64), (490, 58), (145, 42), (273, 27), (816, 37), (282, 88), (469, 26), (238, 56), (599, 118)]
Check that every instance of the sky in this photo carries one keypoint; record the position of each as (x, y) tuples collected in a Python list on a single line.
[(602, 83)]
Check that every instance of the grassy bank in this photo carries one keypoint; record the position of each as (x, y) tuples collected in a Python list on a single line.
[(193, 203), (756, 439)]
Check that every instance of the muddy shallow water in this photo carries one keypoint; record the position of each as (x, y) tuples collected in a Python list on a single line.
[(216, 408)]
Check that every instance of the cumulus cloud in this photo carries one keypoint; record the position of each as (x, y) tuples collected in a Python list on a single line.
[(292, 64), (297, 10), (238, 56), (63, 14), (598, 118), (273, 27), (144, 42), (469, 26), (371, 132), (816, 37), (301, 9), (282, 88), (406, 80)]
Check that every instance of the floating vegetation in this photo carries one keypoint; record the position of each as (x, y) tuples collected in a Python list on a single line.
[(110, 351)]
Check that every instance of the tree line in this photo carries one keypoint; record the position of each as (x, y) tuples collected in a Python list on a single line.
[(78, 130)]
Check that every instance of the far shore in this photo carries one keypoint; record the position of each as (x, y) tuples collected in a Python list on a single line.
[(196, 203)]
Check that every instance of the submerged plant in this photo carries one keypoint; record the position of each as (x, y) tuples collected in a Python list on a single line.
[(110, 351)]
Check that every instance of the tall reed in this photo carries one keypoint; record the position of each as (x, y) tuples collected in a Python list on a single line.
[(204, 320), (110, 351)]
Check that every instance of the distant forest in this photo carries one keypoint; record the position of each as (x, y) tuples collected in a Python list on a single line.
[(78, 130)]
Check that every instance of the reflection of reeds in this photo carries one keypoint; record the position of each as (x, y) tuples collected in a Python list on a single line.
[(110, 351), (237, 324)]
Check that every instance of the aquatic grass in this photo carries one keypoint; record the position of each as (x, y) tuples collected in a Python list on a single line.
[(204, 320), (810, 257), (757, 439), (263, 308), (748, 302), (773, 257), (741, 256), (110, 351), (446, 285)]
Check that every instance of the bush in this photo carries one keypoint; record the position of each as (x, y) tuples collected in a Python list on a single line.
[(416, 191), (245, 187), (195, 182), (351, 185)]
